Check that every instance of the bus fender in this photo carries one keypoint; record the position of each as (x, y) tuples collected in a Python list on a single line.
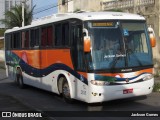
[(64, 74)]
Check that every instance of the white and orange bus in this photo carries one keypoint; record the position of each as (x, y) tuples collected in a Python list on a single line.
[(92, 57)]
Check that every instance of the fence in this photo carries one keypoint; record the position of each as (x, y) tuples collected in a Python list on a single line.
[(126, 4)]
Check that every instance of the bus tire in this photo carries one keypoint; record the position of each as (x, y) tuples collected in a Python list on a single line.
[(66, 91), (20, 79)]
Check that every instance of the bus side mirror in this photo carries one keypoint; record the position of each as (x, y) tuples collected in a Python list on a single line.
[(152, 36), (87, 41), (87, 44)]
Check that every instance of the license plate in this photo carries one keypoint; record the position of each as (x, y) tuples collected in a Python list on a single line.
[(127, 91)]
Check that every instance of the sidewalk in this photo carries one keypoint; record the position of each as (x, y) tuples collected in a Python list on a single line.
[(2, 66), (2, 71)]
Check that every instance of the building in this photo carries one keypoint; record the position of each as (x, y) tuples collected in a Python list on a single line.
[(78, 5), (6, 5)]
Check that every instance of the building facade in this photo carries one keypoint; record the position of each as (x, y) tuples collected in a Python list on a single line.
[(6, 5), (78, 5)]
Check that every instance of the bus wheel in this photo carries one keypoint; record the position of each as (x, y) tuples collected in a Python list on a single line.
[(66, 91), (20, 79)]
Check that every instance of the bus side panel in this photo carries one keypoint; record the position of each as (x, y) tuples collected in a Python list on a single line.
[(43, 58), (38, 66)]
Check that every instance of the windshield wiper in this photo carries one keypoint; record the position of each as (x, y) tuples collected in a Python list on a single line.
[(129, 52)]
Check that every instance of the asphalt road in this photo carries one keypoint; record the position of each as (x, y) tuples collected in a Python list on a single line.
[(13, 98)]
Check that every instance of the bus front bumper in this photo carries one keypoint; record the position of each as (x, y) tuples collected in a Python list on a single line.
[(107, 93)]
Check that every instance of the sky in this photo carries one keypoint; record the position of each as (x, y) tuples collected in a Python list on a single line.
[(44, 8)]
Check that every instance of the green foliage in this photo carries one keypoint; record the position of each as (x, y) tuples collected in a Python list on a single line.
[(1, 44), (116, 10), (13, 18), (77, 10), (2, 32), (2, 65), (156, 87)]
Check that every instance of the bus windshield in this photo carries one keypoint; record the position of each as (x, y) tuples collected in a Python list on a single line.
[(118, 44)]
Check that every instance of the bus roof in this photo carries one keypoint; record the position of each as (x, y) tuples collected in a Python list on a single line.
[(82, 16)]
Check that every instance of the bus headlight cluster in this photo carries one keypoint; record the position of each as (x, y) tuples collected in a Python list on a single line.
[(99, 83), (148, 77)]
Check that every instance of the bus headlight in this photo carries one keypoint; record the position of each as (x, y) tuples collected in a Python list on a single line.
[(99, 83), (148, 77)]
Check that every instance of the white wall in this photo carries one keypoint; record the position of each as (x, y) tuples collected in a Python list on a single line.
[(1, 55)]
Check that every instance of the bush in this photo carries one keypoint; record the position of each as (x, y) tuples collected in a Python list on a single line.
[(156, 87)]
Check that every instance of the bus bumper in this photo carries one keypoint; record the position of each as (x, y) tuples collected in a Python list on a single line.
[(107, 93)]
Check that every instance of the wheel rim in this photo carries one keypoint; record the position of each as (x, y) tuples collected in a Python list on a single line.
[(66, 90)]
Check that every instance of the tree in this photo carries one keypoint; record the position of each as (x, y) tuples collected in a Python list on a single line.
[(13, 18)]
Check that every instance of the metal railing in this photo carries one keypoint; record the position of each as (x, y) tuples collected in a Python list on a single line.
[(126, 4), (145, 2)]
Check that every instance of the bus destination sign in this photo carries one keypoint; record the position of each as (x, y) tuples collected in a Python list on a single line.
[(103, 24)]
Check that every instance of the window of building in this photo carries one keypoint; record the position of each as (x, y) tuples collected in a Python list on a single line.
[(63, 2)]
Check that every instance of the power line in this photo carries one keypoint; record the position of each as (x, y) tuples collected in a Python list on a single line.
[(39, 10), (42, 9)]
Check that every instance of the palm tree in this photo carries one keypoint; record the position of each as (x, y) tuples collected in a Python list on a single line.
[(13, 18)]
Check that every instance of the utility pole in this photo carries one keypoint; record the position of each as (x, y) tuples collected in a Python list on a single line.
[(23, 5)]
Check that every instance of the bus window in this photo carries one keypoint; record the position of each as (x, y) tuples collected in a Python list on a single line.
[(16, 41), (58, 35), (34, 43), (49, 36), (77, 47), (65, 34), (43, 37), (7, 41), (26, 44), (46, 37), (25, 39)]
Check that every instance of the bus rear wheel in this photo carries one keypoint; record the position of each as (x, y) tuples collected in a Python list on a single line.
[(66, 92)]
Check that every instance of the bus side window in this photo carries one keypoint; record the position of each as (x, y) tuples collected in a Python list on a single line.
[(8, 41), (25, 39), (47, 37), (43, 37), (26, 43), (16, 43), (34, 42), (65, 34), (58, 35)]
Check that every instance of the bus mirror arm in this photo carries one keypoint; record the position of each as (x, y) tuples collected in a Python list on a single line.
[(87, 41)]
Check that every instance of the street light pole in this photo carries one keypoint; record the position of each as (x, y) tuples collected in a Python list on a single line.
[(23, 2)]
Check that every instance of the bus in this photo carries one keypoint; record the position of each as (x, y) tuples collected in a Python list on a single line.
[(90, 56)]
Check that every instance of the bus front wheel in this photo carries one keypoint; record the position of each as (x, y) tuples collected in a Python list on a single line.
[(66, 91)]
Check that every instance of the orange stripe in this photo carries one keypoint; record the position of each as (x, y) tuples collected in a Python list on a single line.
[(43, 58), (84, 74)]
